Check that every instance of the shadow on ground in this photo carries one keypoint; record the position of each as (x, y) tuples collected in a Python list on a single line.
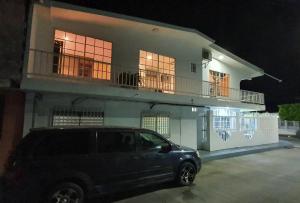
[(132, 193)]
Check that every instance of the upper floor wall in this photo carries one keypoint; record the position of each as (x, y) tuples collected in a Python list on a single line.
[(128, 36)]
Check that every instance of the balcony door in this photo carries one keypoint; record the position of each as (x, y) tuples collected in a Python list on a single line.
[(219, 83)]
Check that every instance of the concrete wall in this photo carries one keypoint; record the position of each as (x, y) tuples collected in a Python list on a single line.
[(266, 133), (183, 122)]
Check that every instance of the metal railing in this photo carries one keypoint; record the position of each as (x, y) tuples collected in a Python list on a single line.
[(60, 66)]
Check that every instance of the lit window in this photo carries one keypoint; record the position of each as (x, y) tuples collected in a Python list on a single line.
[(75, 117), (157, 72), (219, 83), (81, 56), (158, 123)]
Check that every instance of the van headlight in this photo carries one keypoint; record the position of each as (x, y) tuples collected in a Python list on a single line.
[(198, 154)]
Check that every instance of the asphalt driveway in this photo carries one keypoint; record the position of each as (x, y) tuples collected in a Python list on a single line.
[(272, 176)]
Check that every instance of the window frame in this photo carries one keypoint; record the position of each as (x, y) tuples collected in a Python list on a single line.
[(101, 61), (156, 115), (224, 119), (90, 143), (154, 73), (138, 143), (79, 113), (221, 85), (193, 68)]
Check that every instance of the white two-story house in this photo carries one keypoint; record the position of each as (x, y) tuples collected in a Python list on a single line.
[(90, 67)]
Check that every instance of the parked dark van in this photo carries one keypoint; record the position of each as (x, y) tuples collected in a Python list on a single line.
[(72, 164)]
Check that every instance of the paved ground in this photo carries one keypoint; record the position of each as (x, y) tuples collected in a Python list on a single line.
[(272, 176)]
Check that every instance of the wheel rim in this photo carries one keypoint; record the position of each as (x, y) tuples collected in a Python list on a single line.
[(187, 174), (66, 195)]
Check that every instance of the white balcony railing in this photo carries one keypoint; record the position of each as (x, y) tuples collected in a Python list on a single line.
[(59, 66)]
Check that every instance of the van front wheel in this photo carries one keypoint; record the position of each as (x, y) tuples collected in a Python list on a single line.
[(186, 174)]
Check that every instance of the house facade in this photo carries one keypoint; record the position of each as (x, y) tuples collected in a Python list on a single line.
[(89, 67)]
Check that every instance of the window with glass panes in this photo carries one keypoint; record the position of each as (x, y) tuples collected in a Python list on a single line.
[(157, 72), (219, 83), (157, 122), (81, 56)]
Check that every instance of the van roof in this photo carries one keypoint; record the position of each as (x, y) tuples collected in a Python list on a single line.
[(82, 127)]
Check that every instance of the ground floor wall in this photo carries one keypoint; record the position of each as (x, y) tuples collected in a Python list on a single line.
[(190, 126), (182, 119), (245, 129)]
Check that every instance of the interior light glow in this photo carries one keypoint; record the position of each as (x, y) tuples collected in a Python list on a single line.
[(149, 57), (194, 109)]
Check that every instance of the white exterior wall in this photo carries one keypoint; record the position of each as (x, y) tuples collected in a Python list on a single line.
[(266, 133), (235, 75), (183, 122), (127, 38)]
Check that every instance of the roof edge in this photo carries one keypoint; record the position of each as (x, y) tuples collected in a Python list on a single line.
[(235, 57), (126, 17), (213, 45)]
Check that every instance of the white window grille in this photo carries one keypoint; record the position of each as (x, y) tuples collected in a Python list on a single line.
[(62, 116), (224, 119), (248, 126), (157, 122)]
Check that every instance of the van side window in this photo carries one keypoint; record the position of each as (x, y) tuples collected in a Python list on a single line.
[(150, 141), (116, 141), (64, 143)]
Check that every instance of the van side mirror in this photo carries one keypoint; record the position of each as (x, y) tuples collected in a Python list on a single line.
[(166, 148)]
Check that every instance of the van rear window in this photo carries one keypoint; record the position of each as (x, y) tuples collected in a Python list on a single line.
[(59, 143)]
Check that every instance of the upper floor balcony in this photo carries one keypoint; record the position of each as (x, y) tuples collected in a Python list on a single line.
[(63, 67)]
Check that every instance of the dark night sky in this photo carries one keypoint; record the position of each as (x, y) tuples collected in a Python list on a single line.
[(264, 32)]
